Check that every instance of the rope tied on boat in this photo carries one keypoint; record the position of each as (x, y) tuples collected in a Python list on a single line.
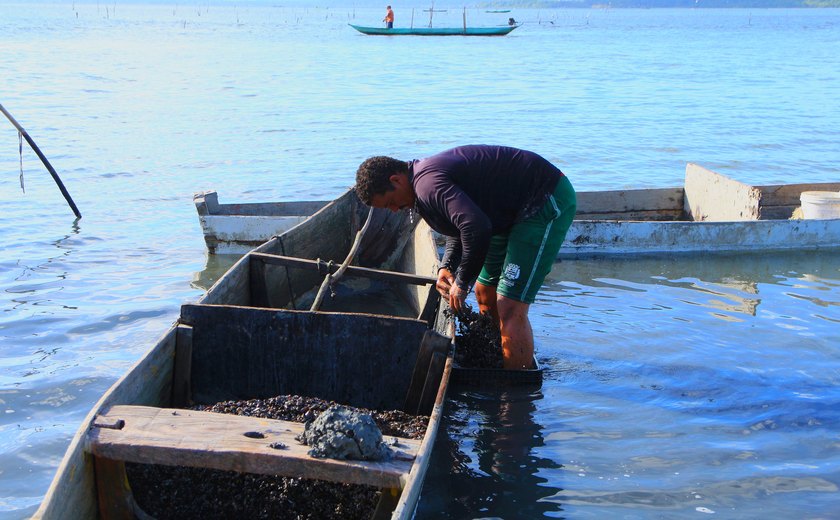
[(324, 268), (330, 279), (20, 154)]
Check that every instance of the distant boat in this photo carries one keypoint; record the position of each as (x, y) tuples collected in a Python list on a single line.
[(498, 11), (436, 31)]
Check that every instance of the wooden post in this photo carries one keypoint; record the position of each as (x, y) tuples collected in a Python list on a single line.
[(418, 377), (183, 366), (257, 281), (430, 308), (116, 502), (431, 344), (388, 499), (432, 386)]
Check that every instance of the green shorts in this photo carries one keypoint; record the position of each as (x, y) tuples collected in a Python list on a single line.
[(518, 261)]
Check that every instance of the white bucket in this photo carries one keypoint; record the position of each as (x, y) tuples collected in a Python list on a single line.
[(820, 204)]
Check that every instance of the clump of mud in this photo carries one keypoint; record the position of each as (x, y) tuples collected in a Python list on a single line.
[(183, 493), (478, 342), (345, 434)]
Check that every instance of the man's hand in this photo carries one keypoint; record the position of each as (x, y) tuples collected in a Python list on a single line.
[(457, 296), (447, 288), (444, 282)]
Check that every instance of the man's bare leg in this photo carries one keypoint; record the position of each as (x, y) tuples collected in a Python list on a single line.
[(485, 295), (517, 336)]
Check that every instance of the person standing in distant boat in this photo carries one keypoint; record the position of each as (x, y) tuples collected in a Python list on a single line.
[(389, 18), (504, 212)]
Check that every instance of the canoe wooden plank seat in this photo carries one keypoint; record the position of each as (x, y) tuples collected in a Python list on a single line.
[(177, 437)]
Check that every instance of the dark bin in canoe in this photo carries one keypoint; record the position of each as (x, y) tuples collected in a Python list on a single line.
[(497, 376), (248, 353)]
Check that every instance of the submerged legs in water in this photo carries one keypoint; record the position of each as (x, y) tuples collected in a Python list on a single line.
[(512, 319)]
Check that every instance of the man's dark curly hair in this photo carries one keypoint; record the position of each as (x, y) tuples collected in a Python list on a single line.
[(374, 176)]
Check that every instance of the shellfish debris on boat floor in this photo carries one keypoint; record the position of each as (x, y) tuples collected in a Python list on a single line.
[(183, 493)]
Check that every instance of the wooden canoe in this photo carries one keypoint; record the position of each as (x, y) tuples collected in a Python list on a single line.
[(435, 31), (710, 213), (255, 334)]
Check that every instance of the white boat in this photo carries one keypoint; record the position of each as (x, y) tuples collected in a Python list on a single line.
[(238, 228), (710, 213)]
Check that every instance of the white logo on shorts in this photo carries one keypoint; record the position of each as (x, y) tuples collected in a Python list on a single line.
[(512, 271)]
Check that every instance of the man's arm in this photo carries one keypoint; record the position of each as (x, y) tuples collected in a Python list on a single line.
[(451, 253), (474, 233)]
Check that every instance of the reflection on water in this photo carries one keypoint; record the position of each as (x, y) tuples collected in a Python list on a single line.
[(674, 387), (729, 286), (487, 460), (214, 267)]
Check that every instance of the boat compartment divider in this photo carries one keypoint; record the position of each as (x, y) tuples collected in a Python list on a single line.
[(151, 435), (329, 268), (361, 360), (428, 369), (183, 366)]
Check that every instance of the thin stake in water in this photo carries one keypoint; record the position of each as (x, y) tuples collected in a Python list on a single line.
[(44, 160)]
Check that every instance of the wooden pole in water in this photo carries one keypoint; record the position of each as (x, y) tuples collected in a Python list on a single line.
[(44, 160), (465, 19)]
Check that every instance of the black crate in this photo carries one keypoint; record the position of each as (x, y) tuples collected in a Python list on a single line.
[(497, 376)]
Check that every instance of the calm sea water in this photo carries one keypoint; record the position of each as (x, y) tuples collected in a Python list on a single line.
[(675, 387)]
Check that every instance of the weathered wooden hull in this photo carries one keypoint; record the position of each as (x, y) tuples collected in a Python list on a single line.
[(436, 31), (711, 213), (245, 341)]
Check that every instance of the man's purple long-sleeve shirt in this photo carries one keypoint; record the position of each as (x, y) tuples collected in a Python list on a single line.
[(471, 193)]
